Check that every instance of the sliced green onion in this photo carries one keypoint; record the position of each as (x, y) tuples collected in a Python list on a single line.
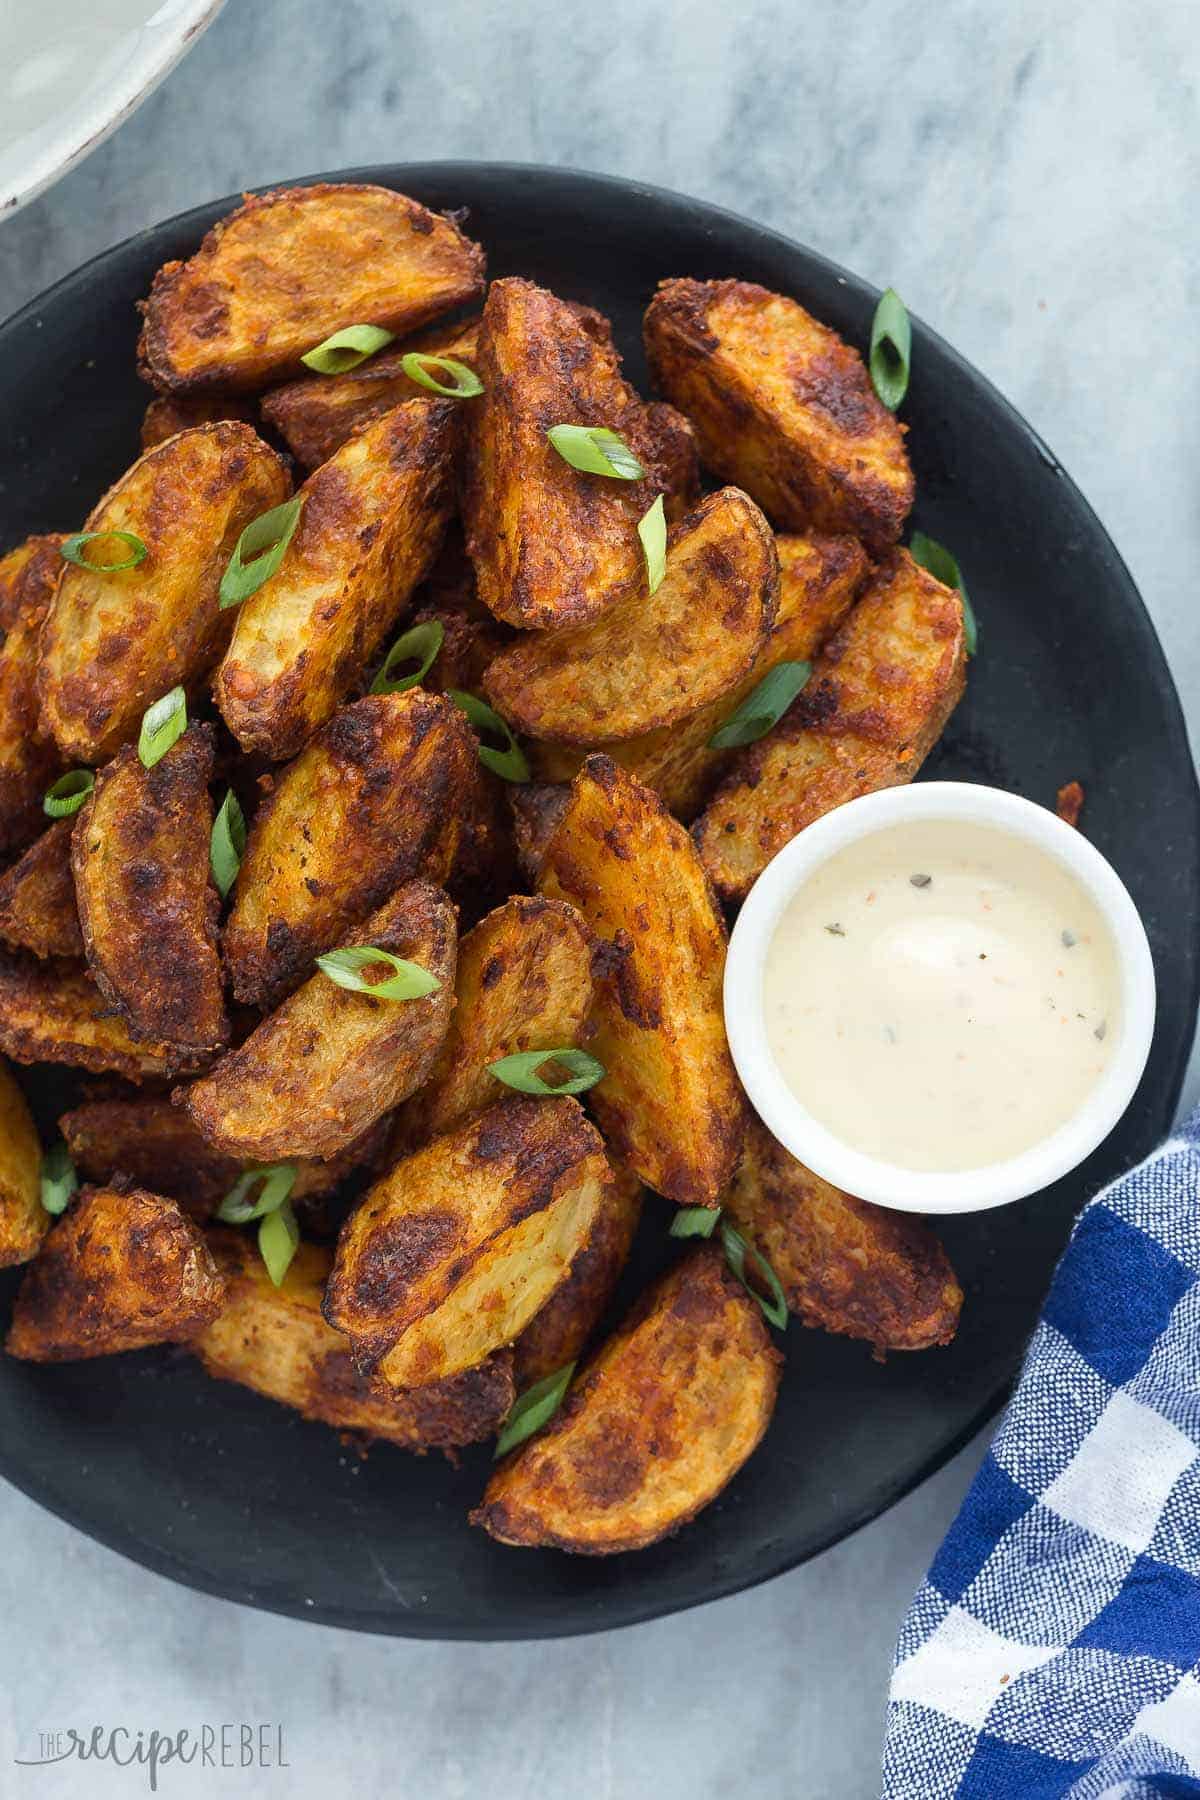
[(891, 349), (943, 566), (736, 1251), (416, 366), (346, 349), (68, 793), (511, 762), (695, 1221), (763, 708), (652, 529), (58, 1178), (227, 843), (278, 1241), (73, 547), (162, 724), (259, 551), (420, 645), (238, 1208), (409, 982), (535, 1408), (520, 1071), (595, 450)]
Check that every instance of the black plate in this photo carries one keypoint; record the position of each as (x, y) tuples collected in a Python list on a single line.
[(213, 1486)]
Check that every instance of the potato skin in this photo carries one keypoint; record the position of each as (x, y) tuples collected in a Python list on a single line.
[(558, 1333), (37, 897), (537, 808), (24, 1221), (147, 904), (53, 1012), (112, 643), (653, 1428), (670, 1103), (879, 698), (328, 1063), (288, 269), (782, 407), (120, 1270), (29, 758), (171, 413), (372, 521), (844, 1265), (651, 660), (377, 799)]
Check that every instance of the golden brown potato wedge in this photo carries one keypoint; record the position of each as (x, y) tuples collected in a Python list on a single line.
[(54, 1012), (288, 269), (24, 1221), (122, 1269), (649, 661), (147, 904), (537, 808), (114, 641), (558, 1334), (670, 444), (878, 701), (670, 1102), (371, 524), (782, 407), (376, 799), (29, 758), (321, 1069), (37, 897), (274, 1340), (843, 1264), (657, 1424), (451, 1255), (169, 413)]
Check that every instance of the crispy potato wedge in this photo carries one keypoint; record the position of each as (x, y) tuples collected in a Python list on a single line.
[(656, 1425), (170, 413), (524, 982), (275, 1340), (24, 1221), (53, 1012), (558, 1334), (670, 1103), (29, 758), (147, 904), (647, 662), (37, 897), (371, 524), (782, 407), (456, 1249), (122, 1269), (321, 1069), (844, 1264), (288, 269), (537, 808), (878, 701), (115, 641), (376, 799), (670, 443)]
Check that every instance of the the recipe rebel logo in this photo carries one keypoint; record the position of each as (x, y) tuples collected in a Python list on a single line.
[(242, 1745)]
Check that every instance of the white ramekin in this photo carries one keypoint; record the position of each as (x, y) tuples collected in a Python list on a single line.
[(919, 1190)]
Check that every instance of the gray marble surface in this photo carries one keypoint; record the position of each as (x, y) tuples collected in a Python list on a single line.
[(1025, 175)]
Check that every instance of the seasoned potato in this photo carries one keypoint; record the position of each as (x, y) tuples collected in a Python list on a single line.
[(376, 799), (371, 524), (844, 1264), (24, 1221), (558, 1333), (670, 1103), (114, 641), (147, 905), (55, 1013), (649, 661), (537, 808), (274, 1340), (330, 1062), (288, 269), (524, 982), (29, 759), (878, 701), (169, 413), (655, 1426), (37, 897), (670, 444), (120, 1270)]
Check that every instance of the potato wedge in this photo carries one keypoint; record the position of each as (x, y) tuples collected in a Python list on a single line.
[(655, 1426), (37, 897), (649, 661), (147, 904), (878, 701), (29, 758), (24, 1221), (670, 1103), (451, 1255), (329, 1062), (121, 1270), (559, 1333), (371, 524), (376, 799), (53, 1012), (670, 444), (844, 1265), (274, 1340), (537, 809), (782, 407), (170, 413), (115, 641), (288, 269)]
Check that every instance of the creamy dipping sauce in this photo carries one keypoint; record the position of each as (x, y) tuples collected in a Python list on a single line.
[(941, 995)]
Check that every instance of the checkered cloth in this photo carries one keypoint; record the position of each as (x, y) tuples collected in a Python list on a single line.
[(1054, 1648)]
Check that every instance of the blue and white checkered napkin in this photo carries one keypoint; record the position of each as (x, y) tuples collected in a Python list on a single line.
[(1054, 1648)]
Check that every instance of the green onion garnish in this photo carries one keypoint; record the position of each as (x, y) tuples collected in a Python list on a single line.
[(891, 349), (68, 793), (58, 1179), (535, 1408), (73, 547), (763, 708), (162, 724), (259, 551), (238, 1208), (420, 645), (943, 566), (227, 843), (595, 450), (695, 1221), (652, 529), (278, 1241), (466, 383), (346, 349), (520, 1071), (409, 982), (736, 1251), (511, 762)]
